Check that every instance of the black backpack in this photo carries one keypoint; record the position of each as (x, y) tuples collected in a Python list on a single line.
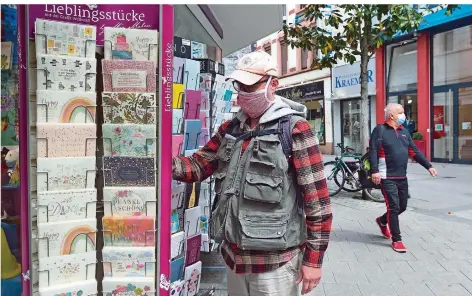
[(365, 172)]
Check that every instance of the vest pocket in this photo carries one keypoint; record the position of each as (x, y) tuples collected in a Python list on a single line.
[(219, 179), (260, 228), (263, 188)]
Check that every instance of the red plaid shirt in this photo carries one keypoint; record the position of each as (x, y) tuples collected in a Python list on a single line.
[(308, 164)]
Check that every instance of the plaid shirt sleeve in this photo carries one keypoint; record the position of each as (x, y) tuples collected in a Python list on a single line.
[(308, 163), (202, 164)]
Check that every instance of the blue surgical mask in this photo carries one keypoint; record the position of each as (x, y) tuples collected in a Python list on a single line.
[(401, 119)]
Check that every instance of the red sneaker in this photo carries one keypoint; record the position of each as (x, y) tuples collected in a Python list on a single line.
[(383, 229), (399, 247)]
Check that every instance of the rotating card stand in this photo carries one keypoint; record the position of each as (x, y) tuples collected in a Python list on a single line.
[(85, 146), (179, 125), (86, 274), (145, 267), (47, 177), (134, 225), (180, 72), (87, 41), (150, 45), (85, 107), (187, 227), (145, 113), (92, 235), (62, 211), (187, 104), (197, 140), (153, 140), (111, 206), (180, 100)]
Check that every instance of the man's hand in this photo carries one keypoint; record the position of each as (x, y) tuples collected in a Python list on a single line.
[(433, 172), (376, 178), (310, 276)]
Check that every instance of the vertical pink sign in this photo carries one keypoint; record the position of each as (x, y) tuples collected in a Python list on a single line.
[(165, 135)]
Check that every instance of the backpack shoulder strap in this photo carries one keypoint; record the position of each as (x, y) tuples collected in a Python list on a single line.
[(287, 124), (230, 127)]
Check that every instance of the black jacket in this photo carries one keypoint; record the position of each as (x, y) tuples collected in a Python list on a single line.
[(390, 149)]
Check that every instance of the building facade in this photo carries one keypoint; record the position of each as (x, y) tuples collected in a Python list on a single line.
[(429, 73)]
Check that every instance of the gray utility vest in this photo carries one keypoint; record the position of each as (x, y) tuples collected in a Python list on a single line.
[(258, 205)]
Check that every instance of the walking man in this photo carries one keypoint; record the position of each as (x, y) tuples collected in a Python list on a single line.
[(273, 214), (390, 146)]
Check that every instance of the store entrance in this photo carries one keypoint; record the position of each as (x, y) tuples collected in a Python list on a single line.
[(451, 135)]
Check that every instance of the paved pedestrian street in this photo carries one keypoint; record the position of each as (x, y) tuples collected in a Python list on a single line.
[(438, 235)]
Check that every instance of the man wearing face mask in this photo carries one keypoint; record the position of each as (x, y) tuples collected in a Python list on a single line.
[(273, 214), (390, 147)]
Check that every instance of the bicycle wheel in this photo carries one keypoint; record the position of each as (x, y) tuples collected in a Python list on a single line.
[(335, 177), (373, 195), (352, 183)]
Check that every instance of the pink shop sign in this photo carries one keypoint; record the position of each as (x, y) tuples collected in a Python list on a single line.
[(138, 16)]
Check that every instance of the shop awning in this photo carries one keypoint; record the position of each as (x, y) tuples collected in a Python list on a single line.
[(230, 27)]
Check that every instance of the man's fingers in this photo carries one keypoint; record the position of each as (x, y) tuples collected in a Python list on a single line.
[(306, 285), (300, 277)]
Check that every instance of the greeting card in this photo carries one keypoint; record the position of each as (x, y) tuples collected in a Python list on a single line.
[(175, 221), (128, 231), (177, 269), (65, 106), (7, 52), (129, 76), (206, 81), (128, 262), (204, 137), (177, 143), (205, 118), (177, 96), (124, 286), (66, 73), (178, 70), (178, 195), (66, 237), (205, 101), (59, 270), (177, 121), (192, 104), (192, 278), (191, 74), (129, 171), (60, 38), (192, 253), (129, 140), (136, 108), (177, 244), (129, 201), (204, 199), (142, 44), (177, 288), (65, 173), (65, 205), (66, 140), (192, 221), (198, 50), (192, 131), (219, 107), (205, 243), (82, 288)]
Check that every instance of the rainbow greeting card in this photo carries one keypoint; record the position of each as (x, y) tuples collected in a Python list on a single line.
[(129, 231), (66, 237), (65, 106)]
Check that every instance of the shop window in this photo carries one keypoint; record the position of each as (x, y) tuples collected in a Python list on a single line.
[(268, 49), (284, 57), (402, 67), (351, 127), (410, 105), (315, 116), (452, 53)]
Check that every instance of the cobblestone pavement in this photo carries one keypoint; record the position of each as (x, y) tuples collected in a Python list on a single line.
[(361, 262)]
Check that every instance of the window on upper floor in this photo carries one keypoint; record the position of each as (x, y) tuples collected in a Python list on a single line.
[(284, 56), (304, 59), (268, 49)]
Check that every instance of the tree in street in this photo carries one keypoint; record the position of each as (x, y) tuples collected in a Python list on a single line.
[(355, 30)]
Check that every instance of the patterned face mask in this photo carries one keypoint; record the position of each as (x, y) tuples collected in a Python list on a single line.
[(254, 104)]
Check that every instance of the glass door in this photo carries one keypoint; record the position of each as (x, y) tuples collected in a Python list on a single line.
[(452, 125)]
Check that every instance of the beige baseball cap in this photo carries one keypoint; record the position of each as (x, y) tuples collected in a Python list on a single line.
[(253, 66)]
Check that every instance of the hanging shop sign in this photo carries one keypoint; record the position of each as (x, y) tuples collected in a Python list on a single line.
[(346, 80), (303, 92), (99, 15)]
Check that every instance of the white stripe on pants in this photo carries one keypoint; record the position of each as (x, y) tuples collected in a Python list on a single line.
[(279, 282)]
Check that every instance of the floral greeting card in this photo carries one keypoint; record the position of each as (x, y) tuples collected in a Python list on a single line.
[(60, 38), (137, 108), (57, 270), (66, 237), (65, 106), (66, 73), (192, 278), (141, 44), (65, 173), (56, 206), (129, 76), (129, 201), (129, 140), (128, 231), (177, 288), (128, 262), (129, 171), (115, 286), (66, 140), (82, 288)]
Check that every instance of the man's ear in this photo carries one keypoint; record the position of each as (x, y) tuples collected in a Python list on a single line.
[(275, 83)]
